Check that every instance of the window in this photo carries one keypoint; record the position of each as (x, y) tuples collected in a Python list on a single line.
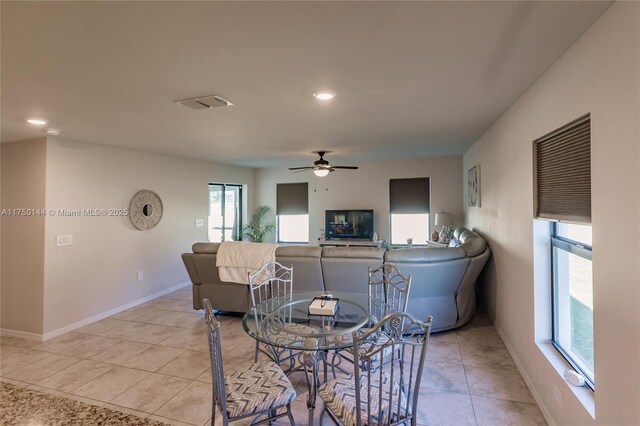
[(293, 228), (225, 212), (405, 226), (409, 208), (293, 212), (573, 296), (563, 195)]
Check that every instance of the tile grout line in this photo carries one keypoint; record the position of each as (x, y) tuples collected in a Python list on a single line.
[(108, 402), (464, 369), (167, 401)]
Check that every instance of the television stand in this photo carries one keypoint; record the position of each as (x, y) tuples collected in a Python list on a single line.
[(350, 243)]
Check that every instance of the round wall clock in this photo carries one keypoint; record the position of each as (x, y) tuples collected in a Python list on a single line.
[(145, 210)]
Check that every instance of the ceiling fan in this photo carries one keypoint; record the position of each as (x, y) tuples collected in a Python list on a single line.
[(321, 167)]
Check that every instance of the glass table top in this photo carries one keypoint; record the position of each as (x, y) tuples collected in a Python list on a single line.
[(286, 323)]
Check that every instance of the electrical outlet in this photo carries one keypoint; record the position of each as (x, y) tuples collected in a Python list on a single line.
[(199, 223), (140, 275), (64, 240)]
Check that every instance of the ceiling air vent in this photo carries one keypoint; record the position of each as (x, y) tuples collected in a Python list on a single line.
[(205, 102)]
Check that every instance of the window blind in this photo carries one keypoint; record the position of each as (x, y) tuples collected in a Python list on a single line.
[(410, 196), (292, 198), (562, 168)]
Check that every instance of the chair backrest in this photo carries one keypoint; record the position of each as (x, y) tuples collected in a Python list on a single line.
[(215, 350), (272, 280), (388, 290), (389, 394)]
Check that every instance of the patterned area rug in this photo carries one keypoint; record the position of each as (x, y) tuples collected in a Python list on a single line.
[(22, 406)]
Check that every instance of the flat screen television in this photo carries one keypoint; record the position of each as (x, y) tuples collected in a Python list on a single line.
[(349, 224)]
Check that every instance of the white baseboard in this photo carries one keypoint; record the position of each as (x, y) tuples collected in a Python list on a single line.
[(90, 320), (7, 332), (525, 376)]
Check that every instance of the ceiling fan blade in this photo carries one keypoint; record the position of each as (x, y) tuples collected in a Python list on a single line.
[(346, 167), (301, 168)]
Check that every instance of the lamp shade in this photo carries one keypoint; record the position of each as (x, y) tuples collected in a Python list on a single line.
[(443, 219)]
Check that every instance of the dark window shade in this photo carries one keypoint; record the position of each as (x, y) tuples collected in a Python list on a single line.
[(292, 198), (409, 196), (562, 167)]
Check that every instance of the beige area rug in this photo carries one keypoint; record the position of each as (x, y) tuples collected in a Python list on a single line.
[(22, 406)]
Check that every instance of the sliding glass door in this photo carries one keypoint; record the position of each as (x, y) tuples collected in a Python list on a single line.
[(225, 212)]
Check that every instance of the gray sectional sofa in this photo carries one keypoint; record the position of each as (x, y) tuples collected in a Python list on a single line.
[(443, 279)]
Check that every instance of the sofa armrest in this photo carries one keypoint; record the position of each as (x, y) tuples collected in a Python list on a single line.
[(191, 268)]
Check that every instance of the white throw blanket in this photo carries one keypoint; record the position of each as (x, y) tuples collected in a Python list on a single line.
[(237, 259)]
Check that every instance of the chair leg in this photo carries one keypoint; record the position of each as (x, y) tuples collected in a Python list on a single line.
[(333, 365), (290, 415), (322, 414), (213, 413), (257, 350)]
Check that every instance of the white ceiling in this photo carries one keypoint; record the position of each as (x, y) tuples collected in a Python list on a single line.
[(413, 79)]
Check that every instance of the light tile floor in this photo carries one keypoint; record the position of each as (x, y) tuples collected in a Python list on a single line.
[(153, 361)]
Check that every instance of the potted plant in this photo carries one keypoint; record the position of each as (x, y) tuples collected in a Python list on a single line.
[(259, 226)]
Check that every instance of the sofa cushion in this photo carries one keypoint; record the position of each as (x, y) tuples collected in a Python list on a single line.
[(427, 254), (211, 248), (346, 268), (458, 231), (305, 261), (353, 252), (298, 251)]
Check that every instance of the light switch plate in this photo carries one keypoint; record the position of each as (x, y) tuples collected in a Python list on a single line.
[(64, 240), (199, 223), (140, 275)]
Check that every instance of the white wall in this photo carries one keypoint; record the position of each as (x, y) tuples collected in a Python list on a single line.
[(367, 188), (599, 74), (23, 180), (98, 272)]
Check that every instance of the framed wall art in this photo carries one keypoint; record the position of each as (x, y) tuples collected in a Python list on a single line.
[(473, 186)]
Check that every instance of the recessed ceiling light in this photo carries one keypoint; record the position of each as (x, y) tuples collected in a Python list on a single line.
[(37, 121), (53, 132), (325, 95)]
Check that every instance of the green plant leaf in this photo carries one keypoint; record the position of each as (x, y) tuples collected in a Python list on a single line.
[(258, 227)]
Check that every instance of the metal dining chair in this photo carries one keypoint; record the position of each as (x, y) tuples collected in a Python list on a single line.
[(262, 389), (387, 395), (272, 282), (388, 292)]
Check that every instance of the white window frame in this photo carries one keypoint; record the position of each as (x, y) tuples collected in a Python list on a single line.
[(584, 251)]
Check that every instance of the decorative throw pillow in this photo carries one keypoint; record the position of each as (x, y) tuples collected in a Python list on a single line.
[(454, 242)]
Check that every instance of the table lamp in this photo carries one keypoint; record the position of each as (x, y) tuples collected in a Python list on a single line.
[(444, 219)]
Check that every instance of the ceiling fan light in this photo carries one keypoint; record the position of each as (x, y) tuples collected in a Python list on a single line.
[(321, 172), (325, 95), (37, 121)]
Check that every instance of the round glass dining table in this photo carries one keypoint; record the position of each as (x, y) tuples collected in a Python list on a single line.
[(285, 323)]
